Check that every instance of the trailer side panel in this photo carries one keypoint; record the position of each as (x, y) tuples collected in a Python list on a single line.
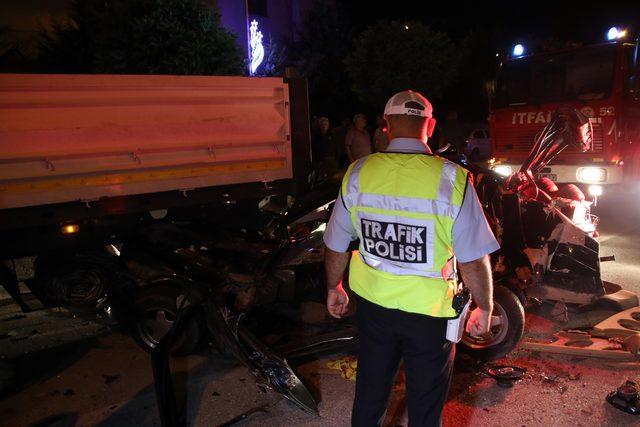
[(67, 138)]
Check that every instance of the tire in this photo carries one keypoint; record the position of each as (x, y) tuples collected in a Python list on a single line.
[(506, 335), (155, 312), (70, 280)]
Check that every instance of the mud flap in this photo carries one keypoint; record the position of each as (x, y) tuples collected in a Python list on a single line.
[(270, 370)]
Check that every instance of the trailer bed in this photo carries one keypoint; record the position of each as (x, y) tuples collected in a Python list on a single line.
[(66, 138)]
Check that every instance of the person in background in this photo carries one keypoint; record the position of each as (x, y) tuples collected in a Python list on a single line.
[(321, 148), (314, 123), (453, 131), (380, 140), (358, 141), (338, 136)]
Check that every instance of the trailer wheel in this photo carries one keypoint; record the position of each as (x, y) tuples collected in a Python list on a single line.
[(155, 313), (504, 335), (78, 280)]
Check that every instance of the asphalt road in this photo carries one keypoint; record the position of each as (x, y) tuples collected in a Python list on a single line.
[(107, 380), (620, 236)]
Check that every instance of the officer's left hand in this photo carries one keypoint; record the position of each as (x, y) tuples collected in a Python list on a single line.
[(337, 301), (479, 323)]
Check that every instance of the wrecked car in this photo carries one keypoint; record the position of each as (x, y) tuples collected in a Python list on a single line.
[(547, 238), (276, 265)]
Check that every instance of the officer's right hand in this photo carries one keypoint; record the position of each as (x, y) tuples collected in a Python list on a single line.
[(337, 301), (479, 322)]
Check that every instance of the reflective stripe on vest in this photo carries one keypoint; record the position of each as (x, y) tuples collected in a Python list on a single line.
[(403, 207)]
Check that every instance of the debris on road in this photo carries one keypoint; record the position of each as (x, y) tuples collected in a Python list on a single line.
[(108, 379), (620, 325), (575, 377), (632, 344), (244, 416), (506, 376), (580, 343), (44, 329), (625, 398), (348, 367), (559, 312), (549, 378)]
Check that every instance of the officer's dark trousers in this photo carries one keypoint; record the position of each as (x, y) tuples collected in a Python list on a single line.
[(386, 337)]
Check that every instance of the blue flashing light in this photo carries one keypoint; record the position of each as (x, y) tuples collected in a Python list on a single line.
[(616, 33), (518, 50)]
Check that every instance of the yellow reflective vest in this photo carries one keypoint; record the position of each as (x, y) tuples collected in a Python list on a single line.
[(403, 206)]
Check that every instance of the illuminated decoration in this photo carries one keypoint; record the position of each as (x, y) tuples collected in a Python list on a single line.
[(615, 34), (518, 50), (256, 54)]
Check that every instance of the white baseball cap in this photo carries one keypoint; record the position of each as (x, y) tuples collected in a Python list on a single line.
[(408, 103)]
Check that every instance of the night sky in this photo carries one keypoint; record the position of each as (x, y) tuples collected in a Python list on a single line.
[(580, 21), (507, 22)]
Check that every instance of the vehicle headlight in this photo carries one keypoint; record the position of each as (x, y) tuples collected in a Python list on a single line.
[(592, 174), (504, 170), (595, 190)]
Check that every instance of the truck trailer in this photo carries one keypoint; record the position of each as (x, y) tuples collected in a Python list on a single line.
[(87, 159)]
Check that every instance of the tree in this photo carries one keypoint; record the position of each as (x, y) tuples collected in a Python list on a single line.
[(391, 57), (5, 43), (274, 60), (12, 57), (478, 65), (320, 54), (141, 37)]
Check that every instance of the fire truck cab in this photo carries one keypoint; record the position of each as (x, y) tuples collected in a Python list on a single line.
[(601, 81)]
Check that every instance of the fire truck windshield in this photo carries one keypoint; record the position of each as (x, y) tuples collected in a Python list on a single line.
[(583, 74)]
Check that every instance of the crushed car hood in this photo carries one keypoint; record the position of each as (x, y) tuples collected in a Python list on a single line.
[(567, 127)]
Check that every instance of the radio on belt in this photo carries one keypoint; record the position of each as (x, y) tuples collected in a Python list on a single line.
[(455, 327)]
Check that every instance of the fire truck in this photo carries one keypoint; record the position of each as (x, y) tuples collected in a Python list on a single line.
[(601, 81)]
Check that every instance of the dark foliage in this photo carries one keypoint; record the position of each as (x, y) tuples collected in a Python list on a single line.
[(274, 60), (141, 37), (319, 56), (390, 57)]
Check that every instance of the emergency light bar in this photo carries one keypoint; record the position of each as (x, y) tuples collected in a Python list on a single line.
[(616, 33), (518, 50)]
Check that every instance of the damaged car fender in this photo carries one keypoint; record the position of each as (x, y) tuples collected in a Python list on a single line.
[(269, 369)]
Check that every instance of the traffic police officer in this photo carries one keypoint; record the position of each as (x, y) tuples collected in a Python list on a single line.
[(414, 214)]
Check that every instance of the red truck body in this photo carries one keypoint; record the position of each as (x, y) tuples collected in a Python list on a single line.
[(601, 82)]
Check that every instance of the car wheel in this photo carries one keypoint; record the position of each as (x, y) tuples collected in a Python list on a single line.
[(155, 313), (508, 314)]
